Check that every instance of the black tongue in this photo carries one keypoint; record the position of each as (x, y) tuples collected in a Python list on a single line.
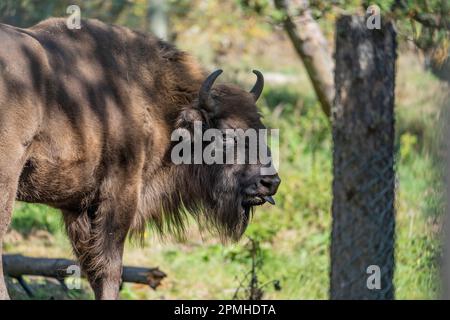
[(269, 199)]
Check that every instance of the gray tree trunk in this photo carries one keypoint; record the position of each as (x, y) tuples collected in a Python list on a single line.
[(158, 18), (364, 180), (312, 47)]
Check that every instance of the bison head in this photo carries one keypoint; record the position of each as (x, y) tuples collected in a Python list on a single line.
[(224, 119)]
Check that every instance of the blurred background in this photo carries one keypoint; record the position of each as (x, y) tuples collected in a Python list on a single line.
[(290, 247)]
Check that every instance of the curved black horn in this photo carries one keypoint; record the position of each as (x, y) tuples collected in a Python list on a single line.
[(259, 85), (203, 95)]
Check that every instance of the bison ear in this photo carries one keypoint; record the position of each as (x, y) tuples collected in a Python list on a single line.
[(189, 116), (205, 100)]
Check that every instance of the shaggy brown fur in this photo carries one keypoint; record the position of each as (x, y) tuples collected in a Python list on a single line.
[(85, 123)]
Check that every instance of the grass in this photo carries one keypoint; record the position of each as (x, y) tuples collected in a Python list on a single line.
[(294, 235), (31, 217)]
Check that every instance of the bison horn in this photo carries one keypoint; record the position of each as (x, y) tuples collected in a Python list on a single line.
[(259, 85), (204, 96)]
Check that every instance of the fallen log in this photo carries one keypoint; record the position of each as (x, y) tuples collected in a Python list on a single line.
[(17, 265)]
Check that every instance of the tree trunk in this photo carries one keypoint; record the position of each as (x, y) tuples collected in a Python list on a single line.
[(363, 187), (158, 18), (312, 47), (445, 263)]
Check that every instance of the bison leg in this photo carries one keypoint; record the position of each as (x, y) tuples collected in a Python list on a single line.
[(98, 236), (7, 196), (11, 162)]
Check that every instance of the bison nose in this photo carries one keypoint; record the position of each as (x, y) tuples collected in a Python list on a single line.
[(270, 183)]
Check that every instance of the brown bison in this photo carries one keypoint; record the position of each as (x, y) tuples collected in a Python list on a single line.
[(86, 118)]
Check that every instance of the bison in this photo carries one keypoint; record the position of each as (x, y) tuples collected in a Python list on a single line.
[(86, 118)]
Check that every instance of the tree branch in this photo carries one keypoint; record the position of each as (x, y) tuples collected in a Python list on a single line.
[(428, 20), (431, 21), (18, 265)]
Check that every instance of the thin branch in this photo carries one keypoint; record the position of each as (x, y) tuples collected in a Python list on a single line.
[(25, 287), (431, 21)]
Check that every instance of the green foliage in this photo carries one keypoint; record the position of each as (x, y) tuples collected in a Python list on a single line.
[(31, 217), (408, 142), (426, 23)]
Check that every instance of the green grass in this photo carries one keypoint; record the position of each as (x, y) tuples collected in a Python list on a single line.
[(30, 217), (295, 234)]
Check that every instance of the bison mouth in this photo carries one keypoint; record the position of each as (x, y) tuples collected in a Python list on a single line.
[(257, 200), (253, 201)]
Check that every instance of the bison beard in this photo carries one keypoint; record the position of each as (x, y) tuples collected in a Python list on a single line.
[(85, 123), (202, 191)]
